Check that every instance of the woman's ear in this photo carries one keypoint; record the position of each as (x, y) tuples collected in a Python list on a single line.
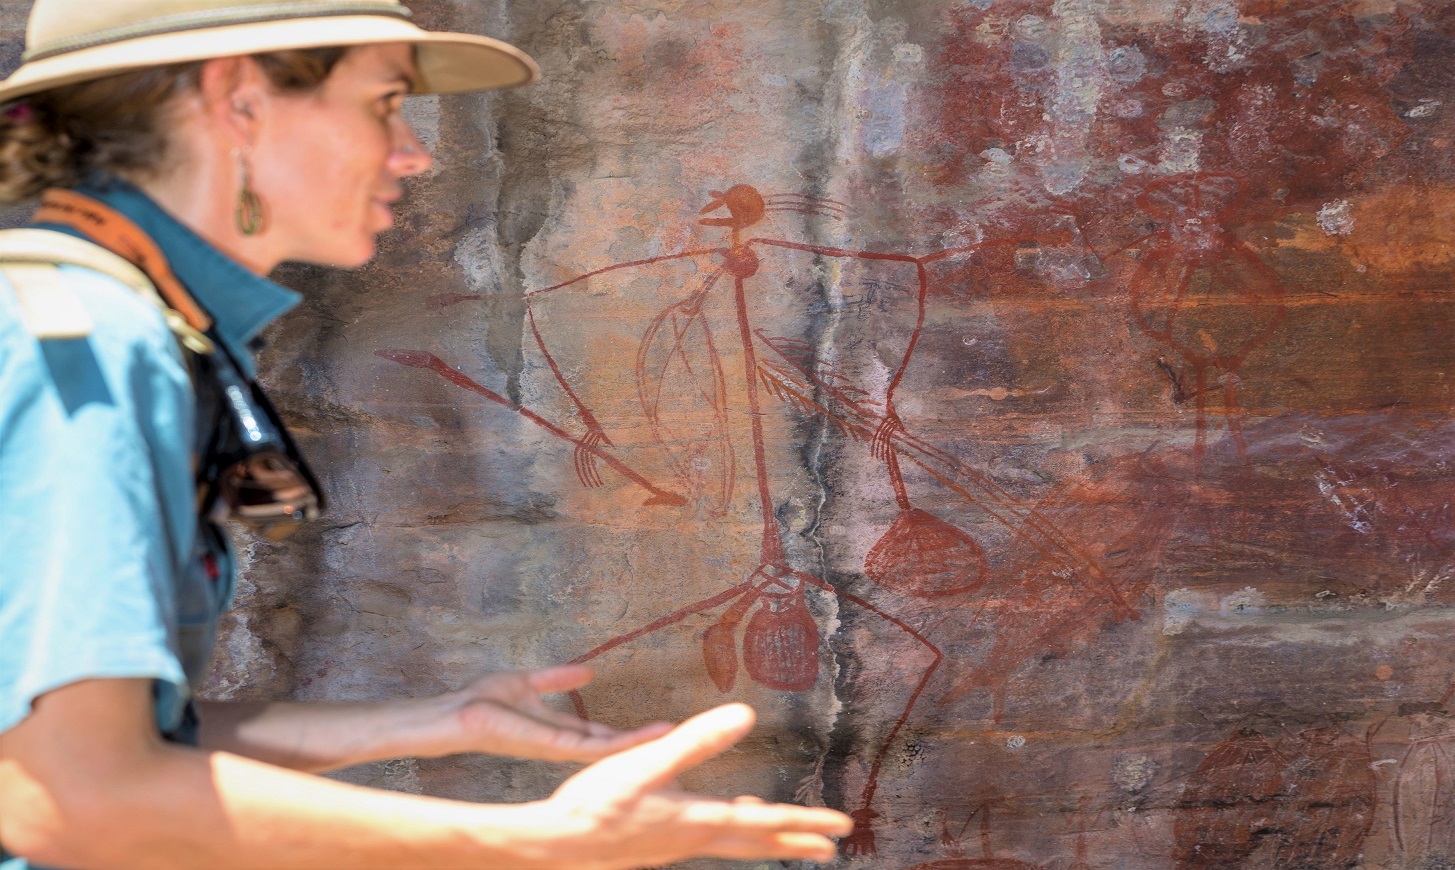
[(235, 96)]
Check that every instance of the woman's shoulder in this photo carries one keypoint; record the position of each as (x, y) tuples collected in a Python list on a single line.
[(123, 349), (102, 309)]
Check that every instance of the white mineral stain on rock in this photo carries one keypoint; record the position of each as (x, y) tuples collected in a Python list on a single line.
[(1134, 772), (1220, 20), (1131, 164), (884, 101), (1030, 27), (1247, 601), (1181, 606), (1356, 507), (479, 256), (242, 649), (1337, 218), (908, 52), (1424, 109), (1080, 61), (1126, 64), (1174, 624), (1181, 151), (402, 774)]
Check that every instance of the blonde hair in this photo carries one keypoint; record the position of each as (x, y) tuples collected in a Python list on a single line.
[(119, 124)]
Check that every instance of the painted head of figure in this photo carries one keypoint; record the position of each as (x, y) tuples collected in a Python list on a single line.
[(272, 129)]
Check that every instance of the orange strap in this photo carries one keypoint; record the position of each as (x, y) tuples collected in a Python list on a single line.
[(117, 233)]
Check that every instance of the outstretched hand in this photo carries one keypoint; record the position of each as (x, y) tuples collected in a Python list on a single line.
[(503, 714), (626, 810)]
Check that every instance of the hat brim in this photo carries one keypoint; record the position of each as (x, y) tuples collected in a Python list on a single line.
[(448, 62)]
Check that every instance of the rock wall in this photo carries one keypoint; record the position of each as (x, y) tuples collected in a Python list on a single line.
[(1038, 409)]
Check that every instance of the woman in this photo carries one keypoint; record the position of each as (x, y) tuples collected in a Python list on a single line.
[(203, 142)]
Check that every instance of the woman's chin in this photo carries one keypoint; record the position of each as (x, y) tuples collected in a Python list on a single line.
[(351, 257)]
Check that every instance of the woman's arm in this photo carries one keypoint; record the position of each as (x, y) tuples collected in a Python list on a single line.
[(85, 782), (499, 714)]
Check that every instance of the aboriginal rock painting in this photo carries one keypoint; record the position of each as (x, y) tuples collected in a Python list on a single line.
[(1305, 800), (1079, 449), (1078, 559), (918, 555), (953, 845), (1211, 130)]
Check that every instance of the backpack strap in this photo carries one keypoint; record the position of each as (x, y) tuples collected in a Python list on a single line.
[(52, 309)]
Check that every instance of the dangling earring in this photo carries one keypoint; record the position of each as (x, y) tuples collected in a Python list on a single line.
[(248, 215)]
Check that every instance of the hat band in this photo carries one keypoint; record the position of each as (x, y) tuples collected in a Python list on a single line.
[(214, 18)]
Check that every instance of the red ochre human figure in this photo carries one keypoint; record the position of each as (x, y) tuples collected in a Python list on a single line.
[(678, 369), (1422, 793), (1203, 293), (1298, 800), (1422, 800)]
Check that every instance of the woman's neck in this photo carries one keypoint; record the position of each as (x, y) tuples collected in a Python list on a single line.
[(202, 195)]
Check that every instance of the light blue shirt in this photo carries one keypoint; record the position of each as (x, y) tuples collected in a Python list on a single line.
[(101, 570)]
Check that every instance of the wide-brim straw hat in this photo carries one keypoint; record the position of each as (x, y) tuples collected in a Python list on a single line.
[(70, 41)]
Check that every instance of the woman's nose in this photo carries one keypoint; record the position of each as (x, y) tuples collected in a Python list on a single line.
[(409, 156)]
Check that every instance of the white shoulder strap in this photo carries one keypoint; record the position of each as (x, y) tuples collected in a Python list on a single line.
[(51, 308)]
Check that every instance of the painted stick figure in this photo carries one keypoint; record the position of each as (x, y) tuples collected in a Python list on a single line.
[(679, 375)]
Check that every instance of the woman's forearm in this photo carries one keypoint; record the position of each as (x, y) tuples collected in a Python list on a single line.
[(86, 781), (184, 808), (318, 737), (501, 713)]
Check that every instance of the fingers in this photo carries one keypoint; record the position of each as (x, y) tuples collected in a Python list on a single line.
[(596, 729), (597, 740), (782, 847), (509, 686), (599, 744), (561, 678), (750, 815), (566, 738), (693, 742), (632, 793), (753, 830), (638, 736), (655, 764)]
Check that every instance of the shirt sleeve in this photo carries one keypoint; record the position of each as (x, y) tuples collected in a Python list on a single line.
[(96, 513)]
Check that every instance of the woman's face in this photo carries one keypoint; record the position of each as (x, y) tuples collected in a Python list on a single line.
[(329, 165)]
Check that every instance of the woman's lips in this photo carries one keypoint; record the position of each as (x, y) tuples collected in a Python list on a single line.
[(386, 207)]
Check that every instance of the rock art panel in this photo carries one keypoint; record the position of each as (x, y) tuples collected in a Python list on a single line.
[(1039, 409)]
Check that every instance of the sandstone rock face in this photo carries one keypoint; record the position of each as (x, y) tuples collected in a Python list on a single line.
[(1040, 410)]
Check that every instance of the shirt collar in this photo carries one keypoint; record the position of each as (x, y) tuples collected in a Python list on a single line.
[(241, 303)]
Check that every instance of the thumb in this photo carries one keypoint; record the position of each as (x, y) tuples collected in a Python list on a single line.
[(655, 764)]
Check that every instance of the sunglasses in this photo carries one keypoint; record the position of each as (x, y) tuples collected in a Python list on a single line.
[(257, 474)]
